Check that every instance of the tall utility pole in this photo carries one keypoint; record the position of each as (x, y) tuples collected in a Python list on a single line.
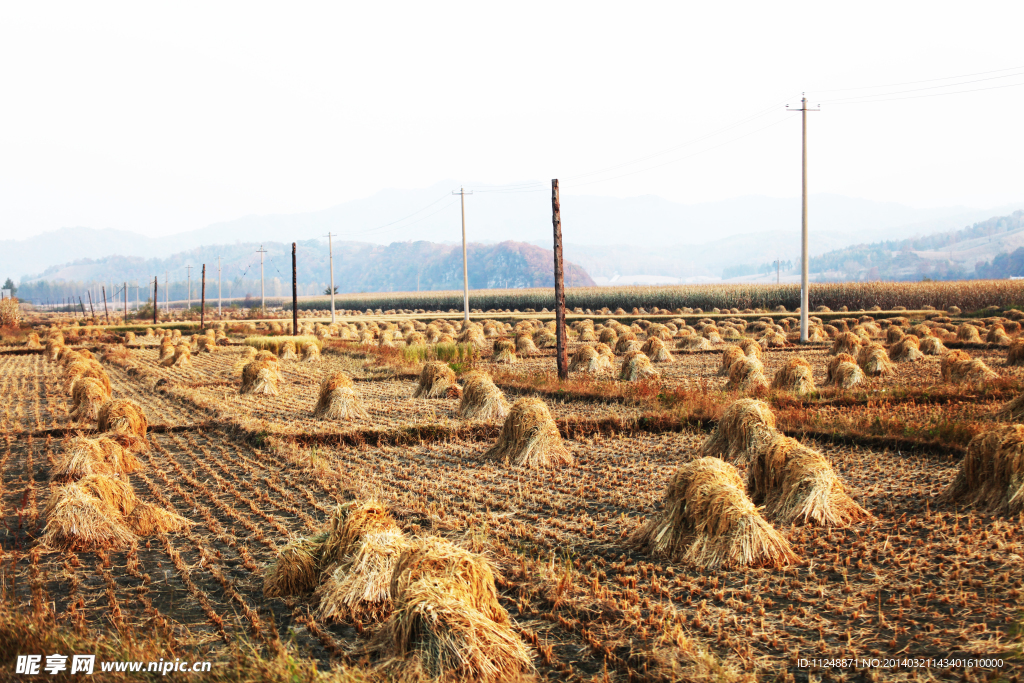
[(202, 305), (126, 303), (778, 267), (465, 267), (556, 222), (103, 288), (188, 279), (263, 299), (156, 285), (330, 253), (295, 297), (218, 288), (92, 311), (804, 261), (167, 295)]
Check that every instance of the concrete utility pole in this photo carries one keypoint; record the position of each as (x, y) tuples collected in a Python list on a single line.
[(295, 297), (465, 267), (126, 303), (106, 312), (202, 305), (804, 260), (263, 299), (92, 311), (167, 295), (156, 285), (188, 279), (556, 221), (219, 315), (330, 253)]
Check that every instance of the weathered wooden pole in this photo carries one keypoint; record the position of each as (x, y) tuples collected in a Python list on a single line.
[(156, 283), (295, 297), (556, 220), (105, 311), (202, 304)]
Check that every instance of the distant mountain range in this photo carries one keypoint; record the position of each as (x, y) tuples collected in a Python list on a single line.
[(358, 267), (606, 236)]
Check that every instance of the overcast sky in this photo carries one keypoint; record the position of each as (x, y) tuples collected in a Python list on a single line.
[(163, 119)]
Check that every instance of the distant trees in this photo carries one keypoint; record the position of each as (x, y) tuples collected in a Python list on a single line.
[(9, 284), (1002, 266)]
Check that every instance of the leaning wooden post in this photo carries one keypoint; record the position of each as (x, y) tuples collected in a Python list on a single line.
[(295, 297), (156, 281), (202, 303), (105, 311), (556, 220)]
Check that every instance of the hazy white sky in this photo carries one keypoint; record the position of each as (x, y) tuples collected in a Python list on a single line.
[(167, 118)]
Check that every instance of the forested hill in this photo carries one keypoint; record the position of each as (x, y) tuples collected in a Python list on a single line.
[(358, 267), (985, 249)]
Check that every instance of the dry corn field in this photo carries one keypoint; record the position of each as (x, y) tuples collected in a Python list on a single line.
[(411, 498)]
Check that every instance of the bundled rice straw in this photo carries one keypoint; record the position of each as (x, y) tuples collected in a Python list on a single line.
[(32, 342), (182, 356), (991, 475), (693, 342), (894, 334), (122, 416), (587, 359), (845, 342), (83, 367), (797, 485), (260, 377), (545, 339), (906, 350), (85, 457), (746, 426), (958, 367), (360, 586), (746, 374), (654, 348), (605, 350), (247, 356), (627, 342), (87, 396), (481, 399), (710, 332), (310, 353), (773, 340), (338, 399), (968, 333), (874, 361), (587, 335), (296, 569), (505, 351), (932, 346), (115, 492), (750, 348), (708, 520), (636, 366), (349, 523), (607, 335), (795, 376), (146, 519), (78, 520), (997, 335), (530, 437), (286, 351), (525, 345), (843, 372), (53, 350), (1015, 354), (437, 380)]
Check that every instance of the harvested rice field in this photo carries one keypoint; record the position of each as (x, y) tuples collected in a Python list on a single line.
[(422, 512)]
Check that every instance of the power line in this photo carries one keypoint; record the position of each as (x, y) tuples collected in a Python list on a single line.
[(931, 87), (917, 97), (929, 80)]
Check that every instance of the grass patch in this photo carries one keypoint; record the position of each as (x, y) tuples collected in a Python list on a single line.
[(273, 343)]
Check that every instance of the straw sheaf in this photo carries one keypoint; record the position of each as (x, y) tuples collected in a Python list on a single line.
[(437, 380), (80, 368), (844, 373), (846, 342), (997, 335), (88, 394), (1015, 354), (348, 525), (587, 359), (746, 374), (530, 438), (773, 340), (627, 342), (636, 366), (894, 334), (991, 475), (53, 350), (607, 335), (693, 342), (286, 351), (605, 350), (296, 569), (707, 520), (525, 345), (746, 426), (78, 520), (711, 333), (122, 416), (958, 367), (147, 519), (338, 399), (1012, 410), (481, 399), (906, 350), (360, 586), (310, 353), (874, 361), (260, 377), (795, 376), (932, 346), (85, 457), (505, 351), (750, 348), (32, 341), (473, 335), (654, 348), (587, 335), (968, 333), (797, 485)]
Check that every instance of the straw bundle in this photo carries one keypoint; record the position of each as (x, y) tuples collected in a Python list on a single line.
[(260, 377), (473, 335), (795, 376), (604, 350), (587, 359), (587, 335), (627, 342), (846, 342), (608, 335), (360, 586), (525, 345), (76, 519), (182, 356), (708, 520), (797, 485), (894, 334), (746, 426), (654, 348), (932, 346), (711, 333), (481, 399), (505, 351), (310, 353), (53, 350), (750, 348), (338, 399), (693, 342), (87, 395), (991, 475), (906, 350), (206, 343), (746, 374), (529, 437), (843, 372), (296, 569), (32, 341), (415, 339), (122, 416), (968, 333), (247, 355), (286, 351), (959, 368), (730, 355), (85, 457), (636, 366), (1012, 410), (146, 519), (116, 493), (874, 361), (1015, 354), (773, 340), (997, 335), (349, 523), (437, 380), (432, 333), (80, 368)]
